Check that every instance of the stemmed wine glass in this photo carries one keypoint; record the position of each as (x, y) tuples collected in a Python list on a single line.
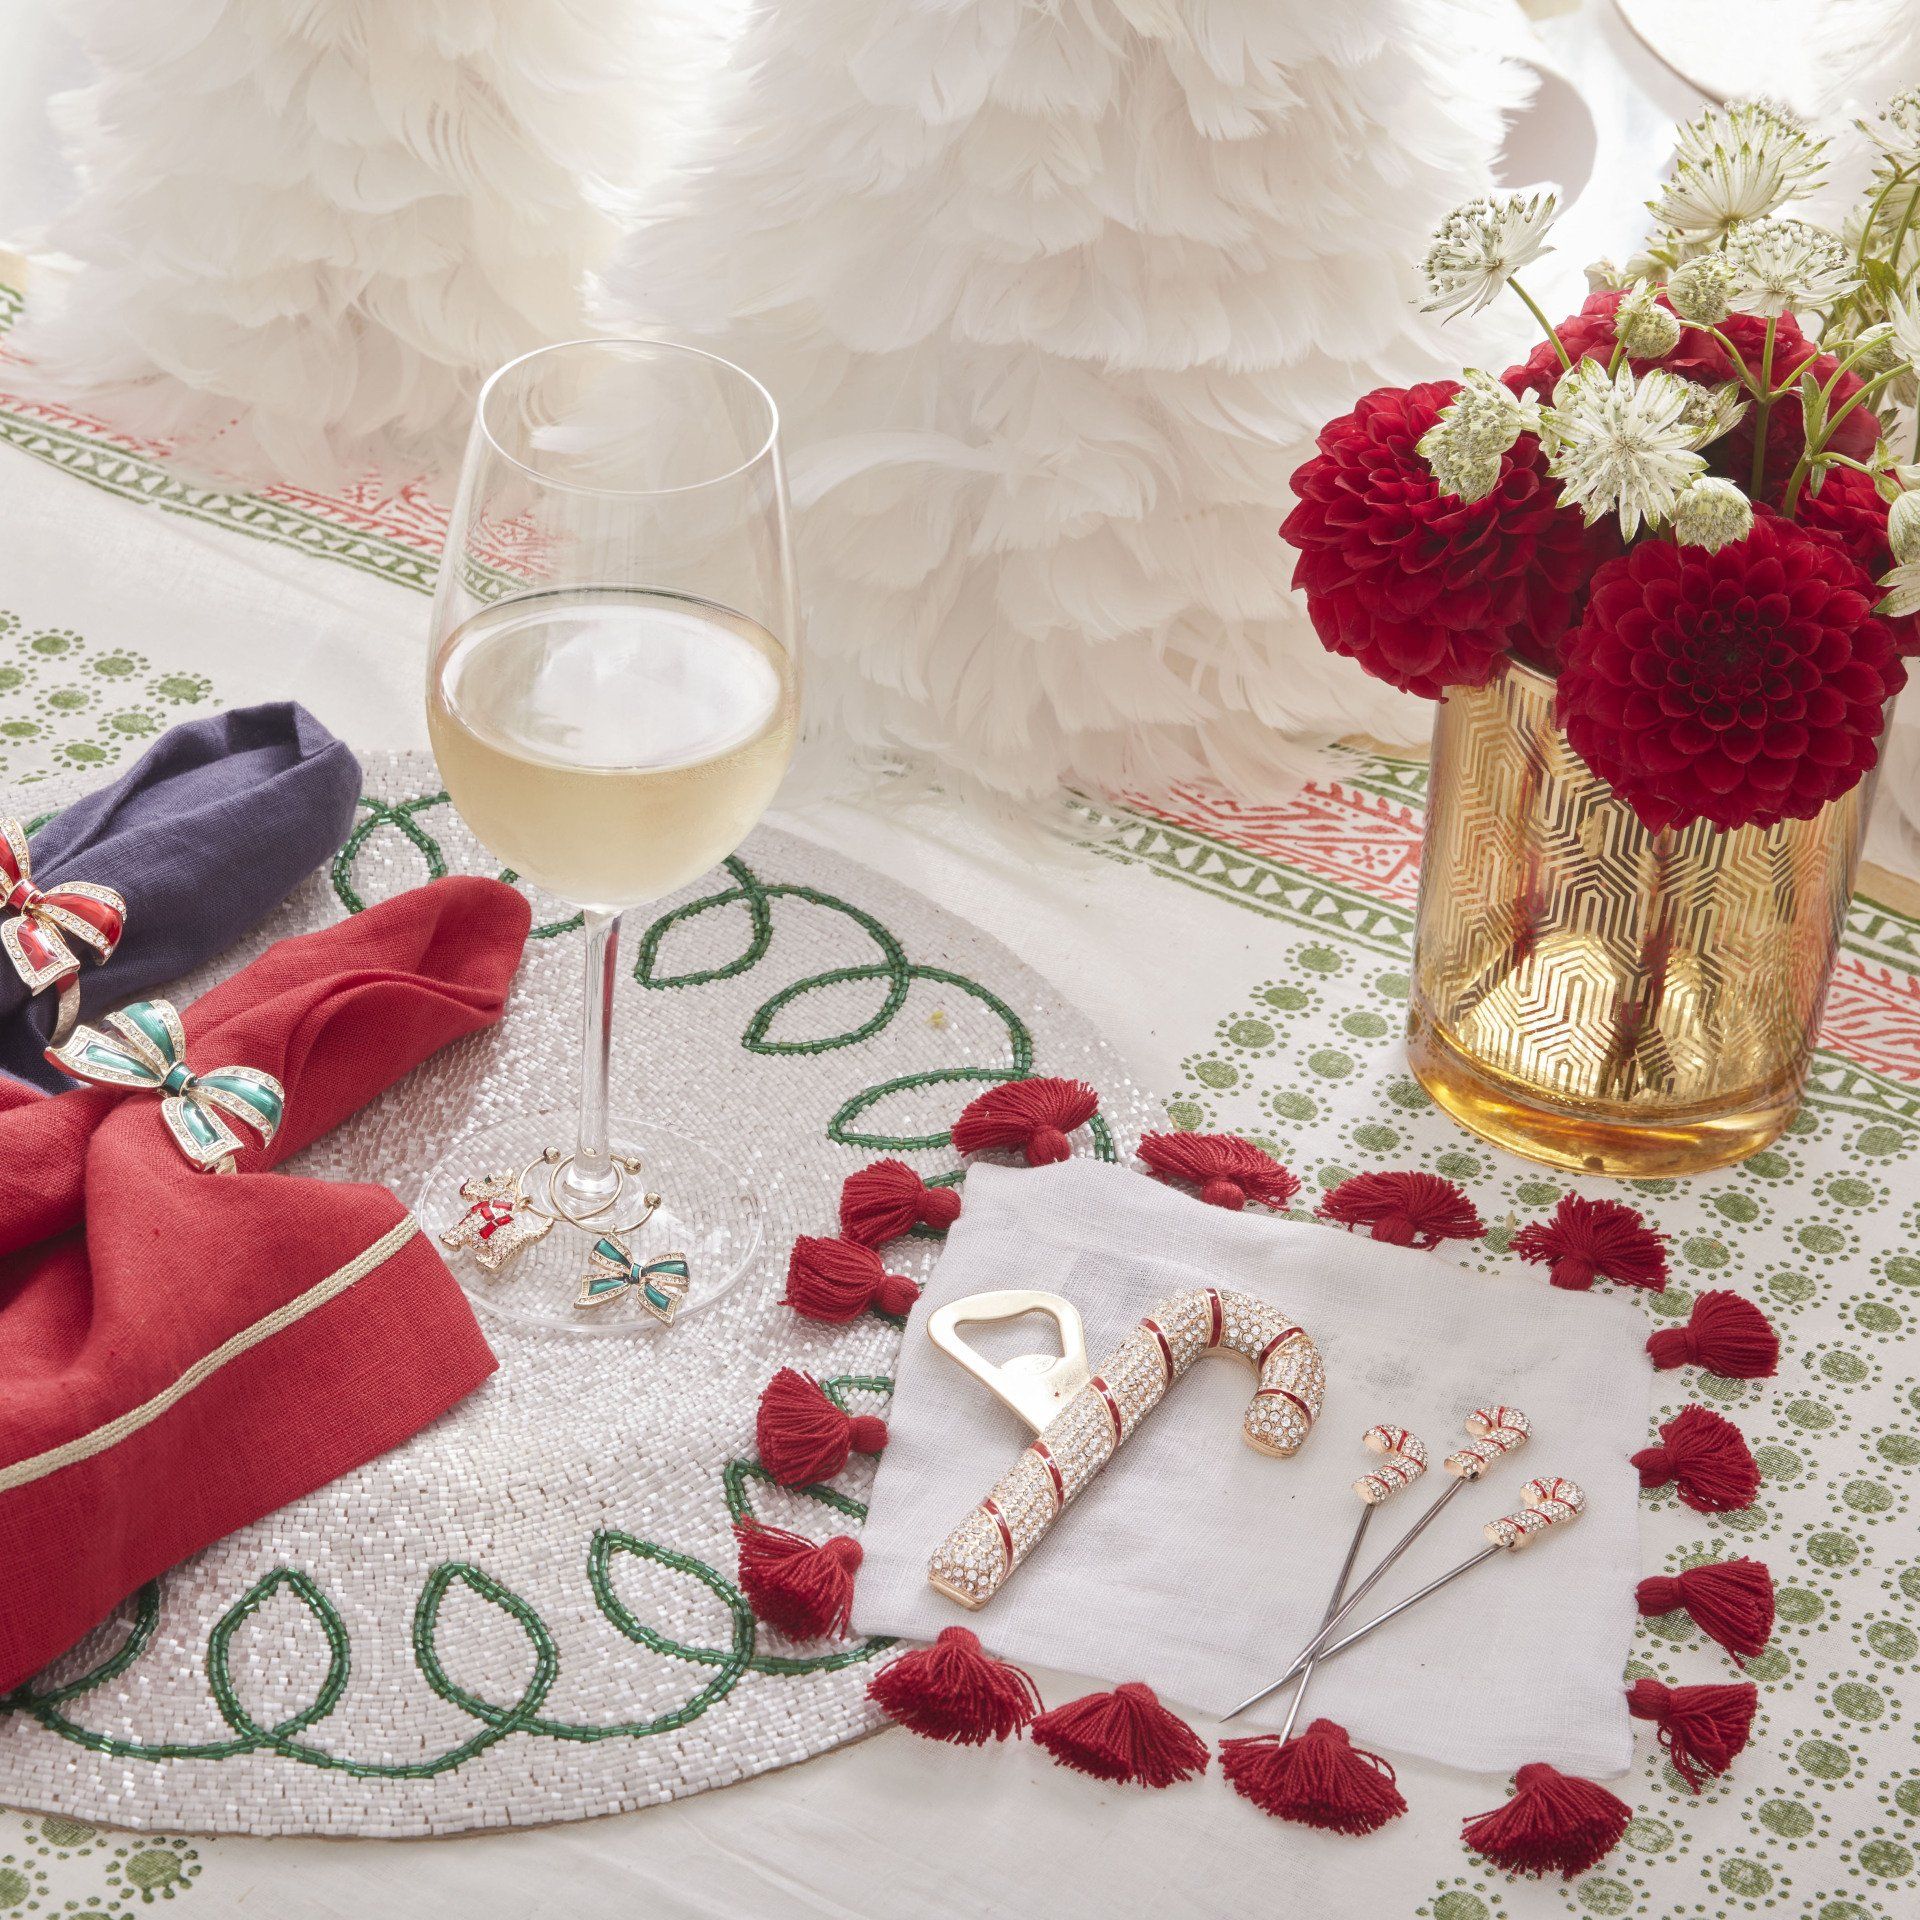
[(612, 697)]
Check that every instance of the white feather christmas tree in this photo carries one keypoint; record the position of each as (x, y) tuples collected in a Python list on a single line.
[(1054, 295), (309, 227)]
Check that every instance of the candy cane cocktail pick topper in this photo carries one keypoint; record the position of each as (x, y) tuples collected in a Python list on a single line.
[(1543, 1504), (1493, 1433), (973, 1562), (1404, 1461)]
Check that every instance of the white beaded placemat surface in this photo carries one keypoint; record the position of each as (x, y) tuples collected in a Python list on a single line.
[(529, 1612)]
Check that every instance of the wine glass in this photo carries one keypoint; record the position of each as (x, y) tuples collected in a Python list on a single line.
[(612, 697)]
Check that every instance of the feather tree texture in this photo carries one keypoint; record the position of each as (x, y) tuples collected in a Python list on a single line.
[(307, 228), (1055, 294), (1862, 53)]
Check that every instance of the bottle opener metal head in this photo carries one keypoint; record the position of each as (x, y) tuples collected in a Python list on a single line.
[(1035, 1385)]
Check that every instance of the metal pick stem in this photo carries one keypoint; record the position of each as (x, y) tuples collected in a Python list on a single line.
[(1333, 1606), (1399, 1607), (1312, 1648)]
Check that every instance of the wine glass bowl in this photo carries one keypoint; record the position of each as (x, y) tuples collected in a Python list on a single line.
[(612, 698)]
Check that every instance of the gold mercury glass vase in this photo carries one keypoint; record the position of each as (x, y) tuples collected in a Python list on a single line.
[(1597, 996)]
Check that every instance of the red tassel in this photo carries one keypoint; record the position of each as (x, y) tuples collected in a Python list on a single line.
[(1404, 1209), (1705, 1455), (804, 1587), (1123, 1735), (1595, 1239), (1318, 1778), (887, 1199), (803, 1437), (955, 1690), (1033, 1115), (1228, 1171), (1725, 1333), (1555, 1822), (835, 1280), (1702, 1728), (1730, 1601)]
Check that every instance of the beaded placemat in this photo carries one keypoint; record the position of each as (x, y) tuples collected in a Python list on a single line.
[(530, 1611)]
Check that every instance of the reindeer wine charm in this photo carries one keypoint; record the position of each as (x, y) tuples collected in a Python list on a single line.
[(1083, 1420)]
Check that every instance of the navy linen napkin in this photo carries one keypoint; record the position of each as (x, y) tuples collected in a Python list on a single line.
[(209, 830)]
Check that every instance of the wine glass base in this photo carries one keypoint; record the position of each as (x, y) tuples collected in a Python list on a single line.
[(708, 1214)]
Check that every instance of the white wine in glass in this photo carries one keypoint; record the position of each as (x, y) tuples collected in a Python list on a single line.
[(612, 697)]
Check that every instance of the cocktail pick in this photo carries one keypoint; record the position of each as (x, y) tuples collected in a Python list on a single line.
[(1493, 1432), (1403, 1461), (1544, 1503)]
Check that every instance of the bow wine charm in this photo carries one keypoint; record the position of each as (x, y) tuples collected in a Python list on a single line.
[(149, 1054), (40, 923), (660, 1284)]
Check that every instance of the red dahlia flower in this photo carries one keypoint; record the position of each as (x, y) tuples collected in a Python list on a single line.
[(1700, 358), (1741, 687), (1424, 589), (1848, 507)]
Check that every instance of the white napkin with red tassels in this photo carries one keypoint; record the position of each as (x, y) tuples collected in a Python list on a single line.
[(1199, 1565)]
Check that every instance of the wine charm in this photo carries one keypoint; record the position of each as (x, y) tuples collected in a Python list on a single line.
[(659, 1285), (975, 1560), (499, 1221)]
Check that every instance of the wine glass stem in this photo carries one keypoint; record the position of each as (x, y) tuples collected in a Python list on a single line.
[(591, 1179)]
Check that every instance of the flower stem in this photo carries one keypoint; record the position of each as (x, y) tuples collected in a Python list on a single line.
[(1762, 406), (1533, 307)]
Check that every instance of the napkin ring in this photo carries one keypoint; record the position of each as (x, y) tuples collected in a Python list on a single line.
[(42, 923), (147, 1051), (1097, 1419)]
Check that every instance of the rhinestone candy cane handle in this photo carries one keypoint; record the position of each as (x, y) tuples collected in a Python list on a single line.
[(1496, 1431), (973, 1562), (1405, 1461), (1544, 1504)]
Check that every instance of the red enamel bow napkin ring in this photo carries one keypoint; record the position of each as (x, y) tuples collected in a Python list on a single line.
[(36, 925)]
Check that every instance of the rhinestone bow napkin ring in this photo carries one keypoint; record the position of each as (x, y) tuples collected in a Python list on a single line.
[(147, 1049), (38, 924)]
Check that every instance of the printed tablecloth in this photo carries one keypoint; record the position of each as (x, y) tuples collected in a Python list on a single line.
[(1251, 962)]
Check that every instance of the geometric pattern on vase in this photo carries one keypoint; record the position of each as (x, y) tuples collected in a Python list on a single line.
[(1578, 957)]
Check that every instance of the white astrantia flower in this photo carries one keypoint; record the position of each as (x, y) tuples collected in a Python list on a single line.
[(1780, 266), (1462, 448), (1698, 291), (1903, 529), (1734, 164), (1645, 328), (1623, 444), (1603, 276), (1479, 247), (1711, 513), (1895, 129), (1903, 591), (1714, 412), (1903, 325)]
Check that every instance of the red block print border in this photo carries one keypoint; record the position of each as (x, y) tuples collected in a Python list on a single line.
[(412, 514), (1873, 1017), (1332, 831)]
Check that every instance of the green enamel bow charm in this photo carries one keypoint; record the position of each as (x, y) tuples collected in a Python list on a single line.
[(148, 1049), (659, 1285)]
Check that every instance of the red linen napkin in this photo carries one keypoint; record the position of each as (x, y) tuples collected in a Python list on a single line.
[(183, 1352)]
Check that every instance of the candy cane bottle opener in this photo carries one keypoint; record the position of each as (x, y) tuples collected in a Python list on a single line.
[(1084, 1419)]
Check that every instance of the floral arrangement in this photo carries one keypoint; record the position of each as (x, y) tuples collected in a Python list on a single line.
[(1686, 504)]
